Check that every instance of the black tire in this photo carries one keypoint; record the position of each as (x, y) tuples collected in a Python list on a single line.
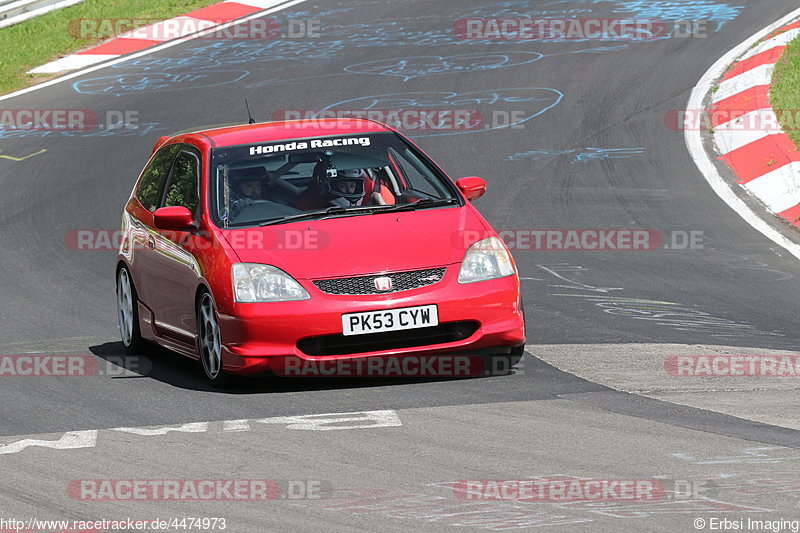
[(516, 354), (209, 342), (496, 365), (518, 351), (501, 364), (128, 312)]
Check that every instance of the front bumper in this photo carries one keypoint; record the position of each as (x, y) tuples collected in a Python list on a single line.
[(255, 336)]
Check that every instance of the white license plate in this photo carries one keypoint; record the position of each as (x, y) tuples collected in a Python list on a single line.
[(422, 316)]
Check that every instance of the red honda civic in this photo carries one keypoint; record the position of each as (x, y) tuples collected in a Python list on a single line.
[(248, 246)]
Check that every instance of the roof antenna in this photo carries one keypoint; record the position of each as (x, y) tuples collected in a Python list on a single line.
[(252, 120)]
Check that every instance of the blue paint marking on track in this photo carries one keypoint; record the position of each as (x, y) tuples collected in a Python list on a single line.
[(151, 82), (578, 156), (530, 102), (669, 10), (148, 63), (338, 37), (204, 61), (408, 68), (141, 130), (681, 10)]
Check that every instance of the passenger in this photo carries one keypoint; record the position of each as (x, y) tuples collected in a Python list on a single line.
[(247, 186)]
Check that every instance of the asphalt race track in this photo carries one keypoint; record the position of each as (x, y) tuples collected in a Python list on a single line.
[(591, 398)]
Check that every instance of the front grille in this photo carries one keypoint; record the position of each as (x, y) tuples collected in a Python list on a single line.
[(390, 340), (401, 281)]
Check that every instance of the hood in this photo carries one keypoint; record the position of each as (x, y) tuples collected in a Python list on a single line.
[(364, 244)]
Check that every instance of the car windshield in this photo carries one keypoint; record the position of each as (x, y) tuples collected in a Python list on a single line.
[(273, 183)]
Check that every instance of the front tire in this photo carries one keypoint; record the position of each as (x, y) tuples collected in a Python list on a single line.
[(516, 355), (128, 312), (209, 341), (518, 351)]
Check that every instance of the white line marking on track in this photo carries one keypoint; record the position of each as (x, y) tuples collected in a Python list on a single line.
[(279, 6), (264, 4), (694, 141), (195, 427), (321, 422), (70, 440), (236, 425), (71, 62), (369, 419)]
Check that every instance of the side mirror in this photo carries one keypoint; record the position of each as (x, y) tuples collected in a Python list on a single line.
[(175, 218), (472, 188)]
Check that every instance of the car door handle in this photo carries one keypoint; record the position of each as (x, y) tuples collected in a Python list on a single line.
[(151, 242)]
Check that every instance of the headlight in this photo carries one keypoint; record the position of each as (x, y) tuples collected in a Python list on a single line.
[(486, 259), (265, 283)]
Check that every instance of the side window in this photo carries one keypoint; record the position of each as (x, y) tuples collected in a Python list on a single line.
[(418, 177), (154, 177), (182, 189)]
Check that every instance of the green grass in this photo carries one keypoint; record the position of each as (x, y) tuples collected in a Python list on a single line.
[(785, 93), (47, 37)]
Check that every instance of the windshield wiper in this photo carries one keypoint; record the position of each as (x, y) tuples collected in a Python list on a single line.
[(319, 215), (338, 211), (422, 203)]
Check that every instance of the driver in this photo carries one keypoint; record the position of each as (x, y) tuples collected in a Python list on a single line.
[(346, 188), (333, 187)]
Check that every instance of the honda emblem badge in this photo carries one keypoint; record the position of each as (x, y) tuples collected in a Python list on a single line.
[(383, 283)]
